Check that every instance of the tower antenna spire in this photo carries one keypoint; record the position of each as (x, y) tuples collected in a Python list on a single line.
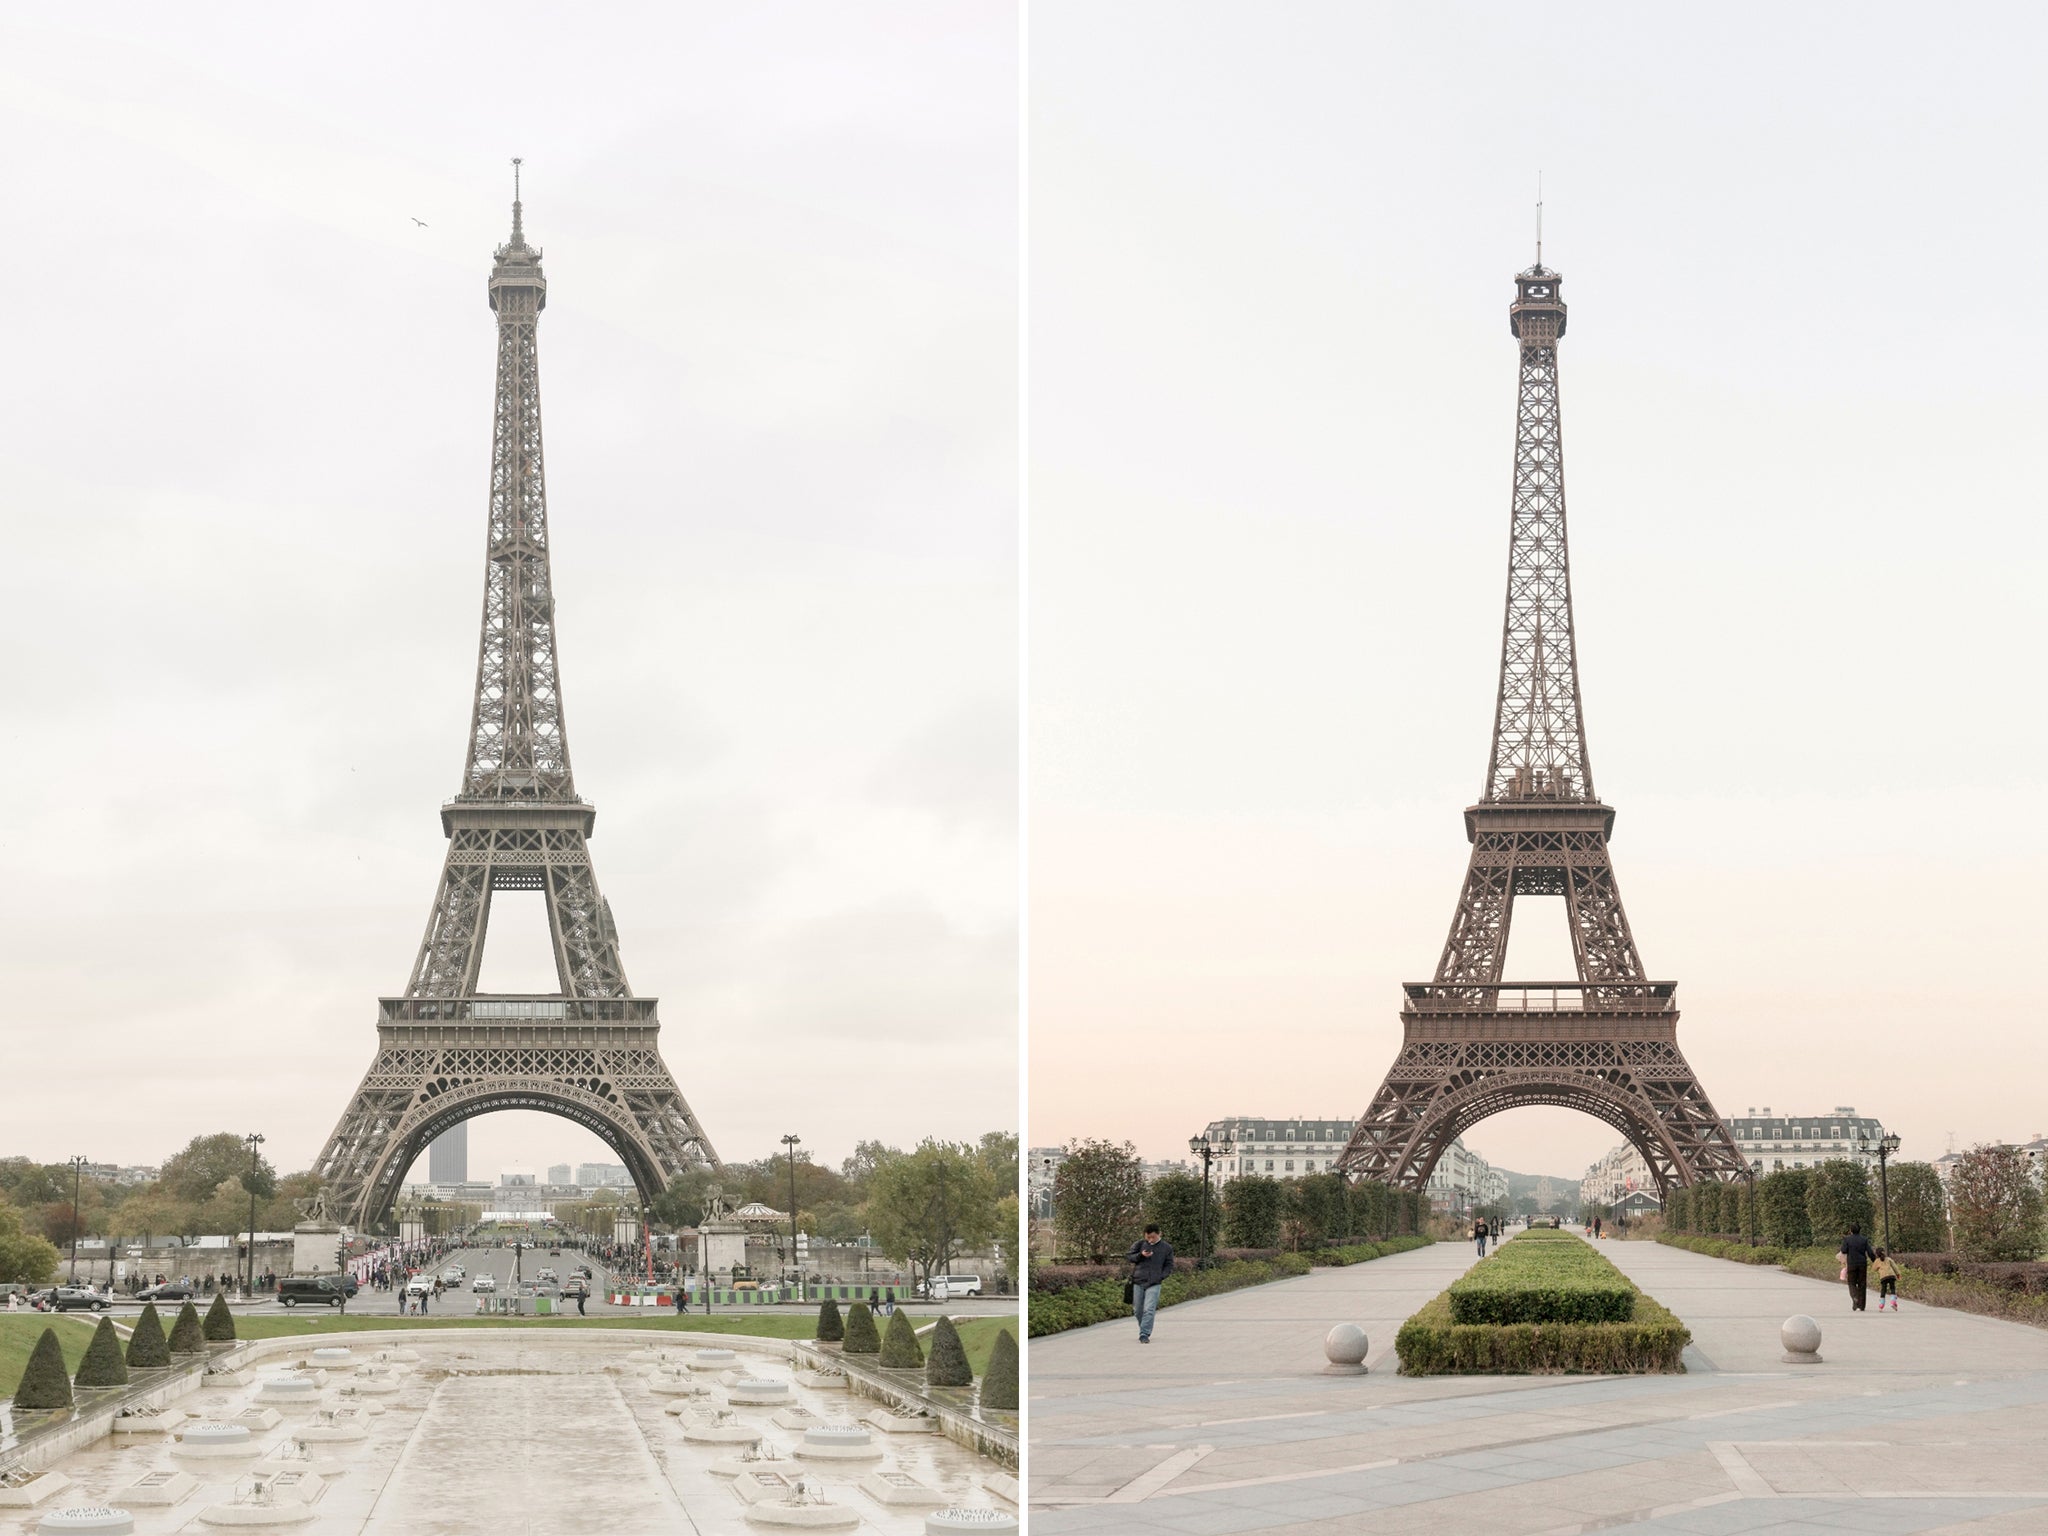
[(519, 238), (1539, 217)]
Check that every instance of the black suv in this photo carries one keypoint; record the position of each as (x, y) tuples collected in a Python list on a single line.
[(320, 1290), (68, 1298)]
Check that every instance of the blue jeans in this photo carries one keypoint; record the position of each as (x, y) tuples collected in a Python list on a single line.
[(1482, 1246), (1145, 1304)]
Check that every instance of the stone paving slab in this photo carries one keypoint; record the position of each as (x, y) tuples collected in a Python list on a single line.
[(1918, 1421)]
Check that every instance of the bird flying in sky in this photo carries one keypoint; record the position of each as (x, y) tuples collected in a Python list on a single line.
[(421, 222)]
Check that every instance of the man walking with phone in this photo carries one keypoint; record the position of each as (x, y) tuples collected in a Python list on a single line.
[(1151, 1260)]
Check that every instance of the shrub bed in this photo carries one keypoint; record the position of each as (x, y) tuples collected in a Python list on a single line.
[(2016, 1292), (1547, 1302), (1071, 1301), (1542, 1281)]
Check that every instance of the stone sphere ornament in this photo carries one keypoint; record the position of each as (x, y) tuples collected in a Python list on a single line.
[(1801, 1338), (1346, 1346)]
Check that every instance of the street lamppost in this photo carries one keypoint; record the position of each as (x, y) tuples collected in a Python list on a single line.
[(1886, 1146), (77, 1175), (254, 1141), (791, 1142), (1207, 1151), (1756, 1166)]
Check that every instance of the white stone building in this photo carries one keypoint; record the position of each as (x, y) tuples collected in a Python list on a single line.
[(1806, 1140), (1621, 1172), (1290, 1148), (1041, 1168)]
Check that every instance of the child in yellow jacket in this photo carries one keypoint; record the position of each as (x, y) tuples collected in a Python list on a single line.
[(1886, 1274)]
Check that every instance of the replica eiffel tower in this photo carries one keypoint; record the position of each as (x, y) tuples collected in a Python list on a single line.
[(1606, 1043), (445, 1052)]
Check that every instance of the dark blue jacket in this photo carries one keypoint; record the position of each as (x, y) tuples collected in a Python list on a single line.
[(1153, 1268)]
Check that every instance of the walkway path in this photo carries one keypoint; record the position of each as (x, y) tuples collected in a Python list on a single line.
[(1918, 1421)]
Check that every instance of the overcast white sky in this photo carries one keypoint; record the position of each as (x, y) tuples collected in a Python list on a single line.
[(1272, 414), (247, 413)]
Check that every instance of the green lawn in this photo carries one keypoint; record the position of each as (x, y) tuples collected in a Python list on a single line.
[(761, 1325), (18, 1335), (978, 1337)]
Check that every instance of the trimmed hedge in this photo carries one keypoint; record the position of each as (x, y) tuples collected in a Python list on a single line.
[(220, 1322), (1072, 1302), (861, 1337), (1934, 1279), (1502, 1329), (999, 1381), (1723, 1248), (947, 1365), (1542, 1282), (186, 1336), (103, 1365), (44, 1381), (900, 1349), (147, 1347), (830, 1329), (1431, 1344)]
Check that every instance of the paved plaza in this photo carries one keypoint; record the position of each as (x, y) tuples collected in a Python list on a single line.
[(1923, 1420)]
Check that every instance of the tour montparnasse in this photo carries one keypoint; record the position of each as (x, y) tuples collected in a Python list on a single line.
[(1605, 1043), (445, 1052)]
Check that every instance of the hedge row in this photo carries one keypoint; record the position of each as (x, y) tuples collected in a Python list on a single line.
[(1542, 1282), (1431, 1343), (1935, 1279), (1077, 1304)]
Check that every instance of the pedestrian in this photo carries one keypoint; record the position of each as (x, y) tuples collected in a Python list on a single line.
[(1479, 1233), (1886, 1273), (682, 1301), (582, 1295), (1151, 1261), (1856, 1254)]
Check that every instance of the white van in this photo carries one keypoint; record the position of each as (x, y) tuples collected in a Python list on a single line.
[(949, 1287)]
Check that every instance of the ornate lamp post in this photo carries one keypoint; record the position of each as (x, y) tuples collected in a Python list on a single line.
[(791, 1142), (254, 1141), (1886, 1147), (1756, 1166), (1208, 1151), (77, 1174)]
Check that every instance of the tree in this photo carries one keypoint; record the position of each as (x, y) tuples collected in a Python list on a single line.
[(869, 1158), (947, 1364), (998, 1150), (1996, 1205), (925, 1206), (194, 1174), (147, 1346), (187, 1337), (1919, 1209), (44, 1381), (900, 1349), (1009, 1234), (1781, 1208), (1838, 1198), (999, 1381), (1098, 1199), (861, 1337), (1174, 1200), (682, 1203), (103, 1365), (220, 1322), (1322, 1204), (1251, 1211), (830, 1329), (24, 1257)]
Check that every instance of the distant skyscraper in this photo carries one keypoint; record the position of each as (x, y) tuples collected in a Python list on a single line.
[(558, 1173), (448, 1156), (601, 1175)]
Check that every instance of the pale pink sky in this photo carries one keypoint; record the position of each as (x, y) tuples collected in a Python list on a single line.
[(1272, 414)]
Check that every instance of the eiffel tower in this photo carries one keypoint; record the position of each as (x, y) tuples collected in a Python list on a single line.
[(1607, 1042), (445, 1052)]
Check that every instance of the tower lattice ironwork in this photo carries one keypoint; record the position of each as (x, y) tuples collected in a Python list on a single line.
[(1607, 1042), (446, 1052)]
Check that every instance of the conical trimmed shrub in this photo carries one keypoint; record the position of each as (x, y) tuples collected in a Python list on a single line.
[(830, 1329), (44, 1382), (186, 1336), (147, 1346), (103, 1365), (999, 1381), (947, 1364), (861, 1338), (220, 1322), (900, 1349)]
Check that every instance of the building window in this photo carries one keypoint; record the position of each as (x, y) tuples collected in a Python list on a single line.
[(1269, 1165), (1290, 1165)]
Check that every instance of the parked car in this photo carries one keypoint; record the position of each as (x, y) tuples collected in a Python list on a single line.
[(483, 1283), (454, 1273), (315, 1290), (75, 1298), (420, 1285), (947, 1287), (170, 1290)]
